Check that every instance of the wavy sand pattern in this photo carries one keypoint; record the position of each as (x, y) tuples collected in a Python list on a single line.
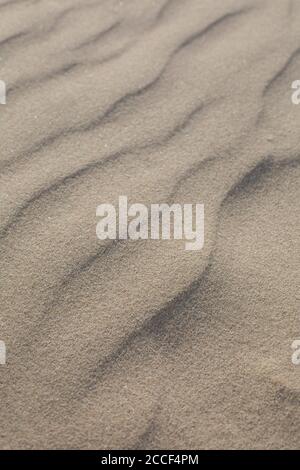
[(142, 344)]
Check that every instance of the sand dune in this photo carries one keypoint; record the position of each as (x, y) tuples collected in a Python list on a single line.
[(140, 344)]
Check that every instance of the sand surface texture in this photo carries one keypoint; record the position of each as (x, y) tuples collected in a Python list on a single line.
[(141, 344)]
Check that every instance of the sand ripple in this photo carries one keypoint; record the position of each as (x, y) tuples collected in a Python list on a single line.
[(141, 344)]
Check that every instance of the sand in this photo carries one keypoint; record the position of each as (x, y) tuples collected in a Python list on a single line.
[(141, 344)]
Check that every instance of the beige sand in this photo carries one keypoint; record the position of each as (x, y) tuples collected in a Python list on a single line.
[(142, 344)]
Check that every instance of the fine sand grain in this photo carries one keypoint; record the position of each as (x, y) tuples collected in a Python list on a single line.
[(141, 344)]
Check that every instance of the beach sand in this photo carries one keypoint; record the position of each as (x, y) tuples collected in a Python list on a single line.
[(142, 344)]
